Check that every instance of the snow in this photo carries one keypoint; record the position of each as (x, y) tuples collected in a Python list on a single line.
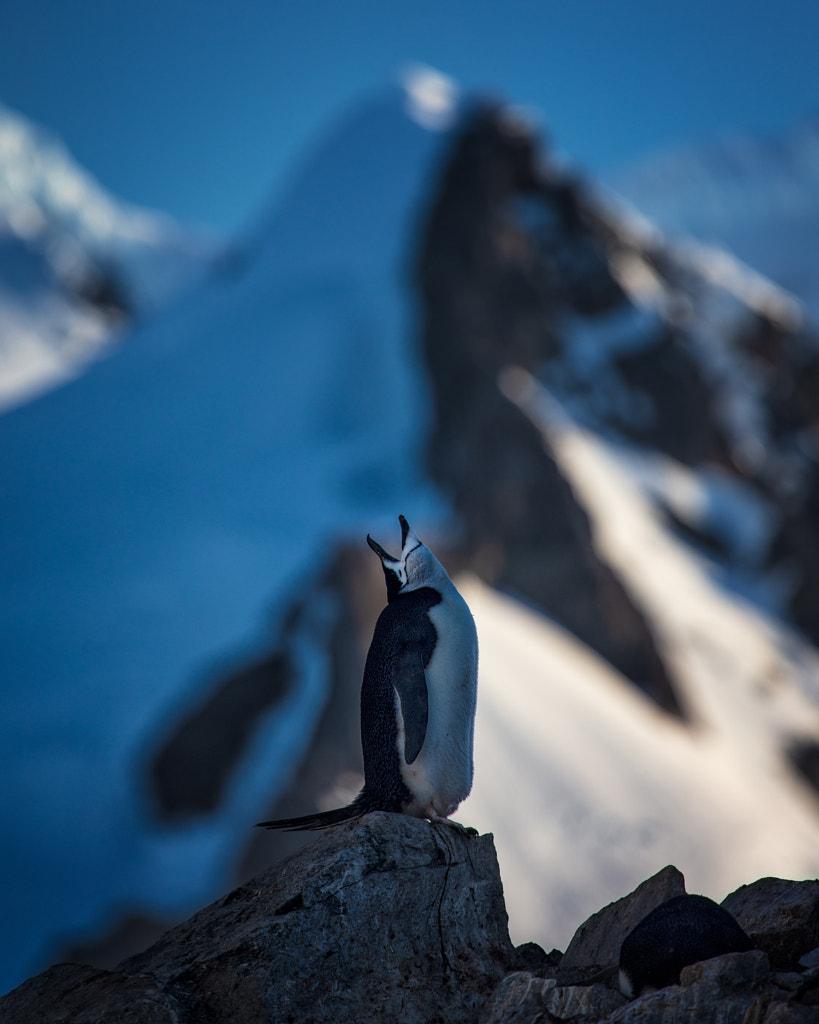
[(160, 512), (757, 198), (588, 378), (431, 98), (45, 342), (571, 757), (712, 300), (46, 197), (58, 230)]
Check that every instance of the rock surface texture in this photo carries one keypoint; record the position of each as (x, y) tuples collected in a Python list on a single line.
[(392, 919), (781, 917), (388, 918)]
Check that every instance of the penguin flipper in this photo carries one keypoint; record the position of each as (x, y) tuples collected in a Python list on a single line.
[(410, 682)]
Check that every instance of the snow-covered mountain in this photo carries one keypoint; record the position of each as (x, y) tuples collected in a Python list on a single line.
[(75, 264), (757, 197), (431, 320)]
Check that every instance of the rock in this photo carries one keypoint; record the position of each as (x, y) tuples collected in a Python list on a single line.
[(767, 1010), (78, 994), (810, 959), (596, 943), (791, 981), (533, 958), (519, 999), (734, 971), (385, 918), (584, 1002), (781, 917), (522, 998)]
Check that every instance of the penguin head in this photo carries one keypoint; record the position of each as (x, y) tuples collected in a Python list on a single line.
[(416, 567)]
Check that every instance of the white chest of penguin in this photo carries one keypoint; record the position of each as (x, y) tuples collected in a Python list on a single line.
[(440, 777)]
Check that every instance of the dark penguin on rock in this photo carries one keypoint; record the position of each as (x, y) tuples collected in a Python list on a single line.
[(417, 697), (681, 931)]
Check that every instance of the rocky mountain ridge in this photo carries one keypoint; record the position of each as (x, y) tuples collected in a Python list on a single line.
[(392, 918), (755, 196), (520, 267)]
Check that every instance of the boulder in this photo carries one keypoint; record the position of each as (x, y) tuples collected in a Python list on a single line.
[(780, 916), (523, 998)]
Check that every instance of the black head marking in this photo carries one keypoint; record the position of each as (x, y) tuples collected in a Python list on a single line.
[(392, 569), (415, 567)]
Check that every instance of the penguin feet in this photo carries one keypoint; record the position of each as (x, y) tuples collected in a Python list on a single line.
[(437, 819)]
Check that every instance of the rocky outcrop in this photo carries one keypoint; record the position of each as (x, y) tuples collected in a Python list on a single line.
[(388, 918), (391, 918)]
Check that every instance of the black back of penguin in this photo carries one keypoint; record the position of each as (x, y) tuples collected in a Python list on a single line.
[(681, 931), (417, 696), (403, 643)]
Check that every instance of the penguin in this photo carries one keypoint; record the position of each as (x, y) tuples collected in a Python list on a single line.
[(681, 931), (418, 696)]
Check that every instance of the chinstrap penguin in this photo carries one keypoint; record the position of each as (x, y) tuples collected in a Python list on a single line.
[(418, 695), (682, 931)]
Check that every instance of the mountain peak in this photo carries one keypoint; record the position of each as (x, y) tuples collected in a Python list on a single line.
[(431, 97)]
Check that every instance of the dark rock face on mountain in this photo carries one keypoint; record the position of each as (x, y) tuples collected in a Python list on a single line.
[(391, 918), (519, 265), (490, 300)]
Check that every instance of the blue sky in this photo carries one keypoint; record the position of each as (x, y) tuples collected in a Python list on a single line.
[(199, 108)]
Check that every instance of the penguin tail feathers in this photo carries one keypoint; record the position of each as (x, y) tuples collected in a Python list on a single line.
[(324, 819)]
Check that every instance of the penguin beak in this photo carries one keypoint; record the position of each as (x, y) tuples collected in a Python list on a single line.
[(409, 541), (382, 554)]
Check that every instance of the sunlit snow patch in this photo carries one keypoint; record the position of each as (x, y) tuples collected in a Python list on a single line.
[(431, 98)]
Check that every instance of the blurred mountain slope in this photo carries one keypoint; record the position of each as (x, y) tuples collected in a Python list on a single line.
[(76, 265), (756, 197)]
